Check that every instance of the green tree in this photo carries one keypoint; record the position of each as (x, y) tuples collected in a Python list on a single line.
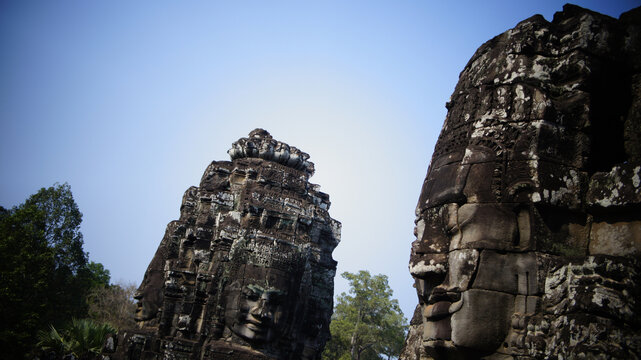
[(96, 275), (367, 323), (44, 270), (26, 263)]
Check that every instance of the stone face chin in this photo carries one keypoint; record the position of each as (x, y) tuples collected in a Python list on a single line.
[(246, 272), (528, 224)]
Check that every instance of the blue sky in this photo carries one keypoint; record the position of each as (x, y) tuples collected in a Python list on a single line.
[(128, 102)]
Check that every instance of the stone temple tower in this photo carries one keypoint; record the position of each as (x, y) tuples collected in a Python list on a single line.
[(246, 272), (528, 226)]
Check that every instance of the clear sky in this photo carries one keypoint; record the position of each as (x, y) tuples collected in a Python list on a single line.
[(129, 101)]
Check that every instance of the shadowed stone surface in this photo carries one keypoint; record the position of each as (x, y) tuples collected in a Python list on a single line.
[(247, 271), (528, 227)]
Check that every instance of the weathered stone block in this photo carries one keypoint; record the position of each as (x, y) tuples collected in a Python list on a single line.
[(483, 330), (485, 226), (619, 187), (510, 273), (616, 239)]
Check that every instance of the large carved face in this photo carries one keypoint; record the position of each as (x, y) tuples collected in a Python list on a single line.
[(493, 225), (526, 217), (470, 291), (469, 273), (474, 260), (256, 305), (149, 296)]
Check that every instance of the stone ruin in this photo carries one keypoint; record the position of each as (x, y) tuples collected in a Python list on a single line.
[(528, 226), (246, 272)]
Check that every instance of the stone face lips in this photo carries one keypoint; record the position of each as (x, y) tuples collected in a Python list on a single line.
[(528, 227), (246, 272)]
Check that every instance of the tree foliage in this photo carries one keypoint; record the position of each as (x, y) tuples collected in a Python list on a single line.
[(367, 323), (45, 272), (113, 304), (82, 338)]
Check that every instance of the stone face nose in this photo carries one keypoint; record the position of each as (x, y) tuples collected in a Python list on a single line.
[(261, 309)]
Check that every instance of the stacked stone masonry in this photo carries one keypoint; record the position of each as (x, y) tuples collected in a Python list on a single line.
[(528, 226), (246, 272)]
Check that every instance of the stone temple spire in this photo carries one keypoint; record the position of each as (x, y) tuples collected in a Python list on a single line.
[(260, 144), (246, 272)]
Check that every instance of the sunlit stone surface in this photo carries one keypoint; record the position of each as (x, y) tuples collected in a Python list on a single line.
[(528, 227), (247, 271)]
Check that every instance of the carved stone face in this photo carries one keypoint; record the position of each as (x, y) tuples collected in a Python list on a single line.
[(149, 296), (257, 305), (261, 312), (473, 260), (491, 230), (469, 290), (524, 223)]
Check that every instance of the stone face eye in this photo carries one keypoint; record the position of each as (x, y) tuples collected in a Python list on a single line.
[(252, 293)]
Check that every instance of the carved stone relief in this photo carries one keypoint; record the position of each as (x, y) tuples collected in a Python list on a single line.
[(247, 271), (529, 220)]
